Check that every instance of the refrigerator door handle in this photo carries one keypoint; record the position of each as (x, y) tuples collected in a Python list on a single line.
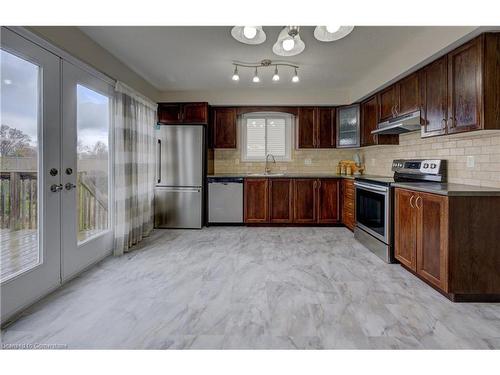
[(159, 160)]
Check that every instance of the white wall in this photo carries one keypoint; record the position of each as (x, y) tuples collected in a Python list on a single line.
[(75, 42)]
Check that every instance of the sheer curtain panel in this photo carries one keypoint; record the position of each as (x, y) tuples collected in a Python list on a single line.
[(135, 118)]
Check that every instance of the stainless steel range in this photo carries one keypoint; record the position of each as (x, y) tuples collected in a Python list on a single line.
[(374, 202)]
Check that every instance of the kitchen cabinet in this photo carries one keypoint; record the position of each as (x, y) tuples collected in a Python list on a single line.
[(434, 96), (328, 210), (305, 199), (347, 200), (399, 99), (369, 122), (348, 126), (316, 127), (182, 113), (224, 127), (280, 200), (255, 192), (465, 87), (450, 242), (325, 127)]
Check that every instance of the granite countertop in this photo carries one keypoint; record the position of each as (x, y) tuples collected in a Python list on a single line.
[(448, 189), (283, 175)]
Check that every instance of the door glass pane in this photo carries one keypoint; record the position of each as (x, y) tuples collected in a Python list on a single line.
[(92, 164), (18, 165), (348, 123)]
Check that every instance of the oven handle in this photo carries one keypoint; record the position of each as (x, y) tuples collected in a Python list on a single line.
[(372, 187)]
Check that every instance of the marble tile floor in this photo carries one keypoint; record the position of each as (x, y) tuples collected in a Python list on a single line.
[(253, 288)]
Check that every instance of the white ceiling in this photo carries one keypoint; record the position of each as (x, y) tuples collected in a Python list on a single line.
[(199, 58)]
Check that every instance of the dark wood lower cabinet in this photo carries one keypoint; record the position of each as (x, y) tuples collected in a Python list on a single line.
[(328, 210), (280, 200), (451, 242), (347, 202), (256, 200), (304, 193)]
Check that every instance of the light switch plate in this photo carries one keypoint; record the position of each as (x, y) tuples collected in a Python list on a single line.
[(471, 162)]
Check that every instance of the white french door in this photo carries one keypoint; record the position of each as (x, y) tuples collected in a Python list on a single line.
[(87, 234), (29, 167), (55, 171)]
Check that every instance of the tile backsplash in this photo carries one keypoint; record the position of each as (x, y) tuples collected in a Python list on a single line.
[(481, 148)]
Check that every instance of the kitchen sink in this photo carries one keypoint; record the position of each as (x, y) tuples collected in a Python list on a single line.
[(267, 174)]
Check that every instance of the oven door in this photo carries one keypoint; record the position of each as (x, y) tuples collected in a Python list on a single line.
[(372, 210)]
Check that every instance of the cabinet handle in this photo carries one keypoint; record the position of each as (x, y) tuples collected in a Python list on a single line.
[(452, 119), (416, 202), (392, 111), (319, 184), (315, 184), (411, 201), (443, 123)]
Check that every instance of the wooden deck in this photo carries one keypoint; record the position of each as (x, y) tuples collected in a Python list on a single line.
[(19, 249)]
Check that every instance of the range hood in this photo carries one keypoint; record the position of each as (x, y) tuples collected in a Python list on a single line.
[(404, 124)]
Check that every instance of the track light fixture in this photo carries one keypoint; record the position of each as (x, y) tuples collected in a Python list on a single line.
[(265, 64)]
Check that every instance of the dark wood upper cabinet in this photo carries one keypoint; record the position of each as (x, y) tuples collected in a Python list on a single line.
[(280, 200), (432, 239), (256, 200), (407, 95), (224, 127), (306, 132), (328, 210), (182, 113), (169, 113), (325, 127), (405, 228), (465, 82), (304, 196), (316, 127), (195, 113), (369, 122), (434, 97), (387, 103)]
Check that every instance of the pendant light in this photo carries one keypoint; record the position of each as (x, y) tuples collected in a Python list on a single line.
[(289, 42), (256, 78), (249, 34), (331, 33), (295, 77), (276, 77), (236, 76)]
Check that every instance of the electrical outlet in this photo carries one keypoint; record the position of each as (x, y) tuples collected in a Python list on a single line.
[(307, 161), (471, 162)]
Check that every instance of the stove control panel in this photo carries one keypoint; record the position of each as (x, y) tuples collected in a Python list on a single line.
[(418, 166)]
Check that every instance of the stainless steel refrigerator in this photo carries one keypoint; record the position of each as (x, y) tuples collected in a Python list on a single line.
[(179, 176)]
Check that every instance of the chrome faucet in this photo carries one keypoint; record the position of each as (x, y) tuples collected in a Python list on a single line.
[(268, 170)]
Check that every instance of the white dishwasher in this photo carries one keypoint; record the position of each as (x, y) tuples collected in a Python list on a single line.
[(225, 200)]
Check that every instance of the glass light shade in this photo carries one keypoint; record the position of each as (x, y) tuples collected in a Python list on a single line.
[(331, 33), (295, 77), (235, 77), (249, 32), (245, 34), (278, 47), (288, 44), (276, 78)]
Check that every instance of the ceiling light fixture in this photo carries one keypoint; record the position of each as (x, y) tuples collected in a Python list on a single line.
[(236, 76), (249, 34), (289, 42), (276, 76), (256, 78), (331, 33), (264, 64)]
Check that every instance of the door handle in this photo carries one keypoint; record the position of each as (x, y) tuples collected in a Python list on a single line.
[(411, 201), (159, 160), (56, 187), (416, 202), (69, 186)]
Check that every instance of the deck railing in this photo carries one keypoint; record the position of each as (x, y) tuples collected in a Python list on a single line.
[(19, 202)]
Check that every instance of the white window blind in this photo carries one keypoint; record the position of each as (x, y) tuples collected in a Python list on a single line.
[(266, 133)]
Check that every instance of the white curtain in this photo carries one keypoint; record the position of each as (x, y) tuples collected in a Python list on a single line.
[(135, 118)]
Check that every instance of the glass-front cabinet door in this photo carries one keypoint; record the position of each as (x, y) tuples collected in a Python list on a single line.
[(348, 126)]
